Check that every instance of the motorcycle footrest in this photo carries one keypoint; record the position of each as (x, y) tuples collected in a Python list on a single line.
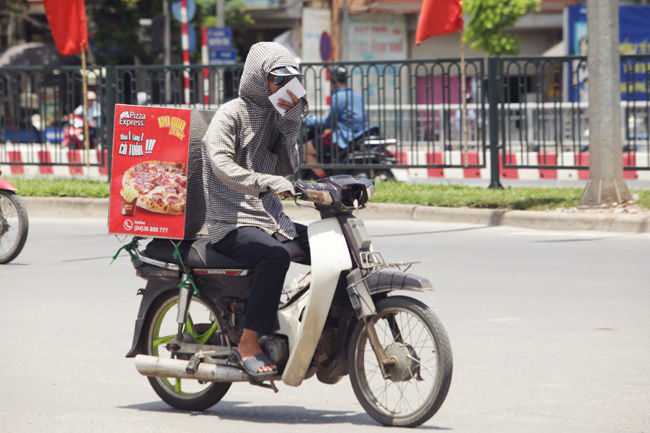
[(193, 365)]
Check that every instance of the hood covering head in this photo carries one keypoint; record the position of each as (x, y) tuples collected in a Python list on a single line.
[(262, 58)]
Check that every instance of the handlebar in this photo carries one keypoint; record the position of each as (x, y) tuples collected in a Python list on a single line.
[(337, 194)]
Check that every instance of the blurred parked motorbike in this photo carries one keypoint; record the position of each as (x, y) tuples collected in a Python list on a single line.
[(369, 156), (73, 133), (14, 223)]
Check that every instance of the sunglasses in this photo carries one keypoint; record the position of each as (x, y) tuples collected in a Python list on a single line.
[(282, 80)]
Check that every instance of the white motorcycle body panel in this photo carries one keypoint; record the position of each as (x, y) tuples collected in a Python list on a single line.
[(329, 257)]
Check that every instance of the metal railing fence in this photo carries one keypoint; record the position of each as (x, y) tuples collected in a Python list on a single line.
[(415, 103), (531, 107), (553, 119)]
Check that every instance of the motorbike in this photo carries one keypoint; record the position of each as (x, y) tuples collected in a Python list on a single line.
[(346, 316), (73, 133), (14, 223), (369, 156)]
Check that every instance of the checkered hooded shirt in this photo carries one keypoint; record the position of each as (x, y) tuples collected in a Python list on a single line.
[(249, 149)]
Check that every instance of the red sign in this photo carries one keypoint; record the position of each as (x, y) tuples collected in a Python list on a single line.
[(325, 46), (149, 171)]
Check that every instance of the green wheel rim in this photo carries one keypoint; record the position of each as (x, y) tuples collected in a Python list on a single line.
[(179, 386)]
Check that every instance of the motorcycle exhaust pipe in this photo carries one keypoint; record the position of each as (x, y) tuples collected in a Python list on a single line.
[(165, 367)]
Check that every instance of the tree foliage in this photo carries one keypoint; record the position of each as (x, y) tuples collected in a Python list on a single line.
[(115, 33), (13, 6), (236, 16), (115, 26), (489, 19)]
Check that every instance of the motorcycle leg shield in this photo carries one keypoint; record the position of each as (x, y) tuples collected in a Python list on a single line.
[(329, 257)]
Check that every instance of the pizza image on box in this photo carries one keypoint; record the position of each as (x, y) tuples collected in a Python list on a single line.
[(160, 186)]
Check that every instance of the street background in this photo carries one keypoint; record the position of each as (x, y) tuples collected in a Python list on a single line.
[(549, 332)]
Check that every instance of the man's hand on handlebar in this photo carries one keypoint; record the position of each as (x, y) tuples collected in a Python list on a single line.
[(284, 194)]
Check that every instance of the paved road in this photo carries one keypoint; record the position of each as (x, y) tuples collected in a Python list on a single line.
[(550, 332)]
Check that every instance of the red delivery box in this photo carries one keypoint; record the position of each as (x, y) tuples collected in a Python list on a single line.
[(156, 175)]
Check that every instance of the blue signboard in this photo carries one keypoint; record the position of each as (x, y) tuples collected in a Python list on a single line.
[(634, 39), (191, 10), (261, 4), (222, 56), (191, 35), (219, 37)]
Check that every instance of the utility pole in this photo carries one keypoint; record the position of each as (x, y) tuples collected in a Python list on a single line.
[(345, 41), (221, 14), (167, 50), (606, 186)]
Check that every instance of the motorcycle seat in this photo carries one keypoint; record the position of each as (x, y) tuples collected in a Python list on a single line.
[(203, 255), (196, 253)]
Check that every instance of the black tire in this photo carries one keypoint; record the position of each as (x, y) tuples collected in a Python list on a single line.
[(14, 226), (410, 333), (382, 175), (375, 175), (360, 174), (183, 394)]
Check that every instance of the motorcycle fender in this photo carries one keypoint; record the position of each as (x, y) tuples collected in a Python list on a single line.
[(362, 285), (6, 185), (329, 257), (150, 294)]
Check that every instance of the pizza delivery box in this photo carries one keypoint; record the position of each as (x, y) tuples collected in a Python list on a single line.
[(156, 175)]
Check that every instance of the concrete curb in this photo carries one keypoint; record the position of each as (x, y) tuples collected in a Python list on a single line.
[(66, 207), (51, 207)]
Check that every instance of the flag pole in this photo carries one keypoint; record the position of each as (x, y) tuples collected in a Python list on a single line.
[(463, 97), (84, 80)]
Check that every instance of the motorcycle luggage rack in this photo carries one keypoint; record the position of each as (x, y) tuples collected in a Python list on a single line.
[(159, 263), (374, 261)]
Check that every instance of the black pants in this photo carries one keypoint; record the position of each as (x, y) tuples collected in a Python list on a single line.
[(270, 256)]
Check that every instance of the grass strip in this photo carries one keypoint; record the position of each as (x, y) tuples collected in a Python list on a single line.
[(511, 198), (60, 187)]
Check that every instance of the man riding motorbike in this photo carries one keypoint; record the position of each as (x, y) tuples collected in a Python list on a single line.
[(346, 119), (250, 148), (74, 133)]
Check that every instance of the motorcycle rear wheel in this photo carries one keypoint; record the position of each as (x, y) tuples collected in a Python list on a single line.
[(411, 334), (202, 324), (14, 226)]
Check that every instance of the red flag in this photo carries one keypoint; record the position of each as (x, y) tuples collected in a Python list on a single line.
[(439, 17), (67, 20)]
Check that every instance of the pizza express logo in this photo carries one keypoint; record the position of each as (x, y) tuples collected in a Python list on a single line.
[(131, 118), (176, 126)]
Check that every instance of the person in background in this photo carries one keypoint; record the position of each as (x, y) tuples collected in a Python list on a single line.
[(583, 72), (142, 98), (94, 117), (249, 148), (471, 119), (346, 119)]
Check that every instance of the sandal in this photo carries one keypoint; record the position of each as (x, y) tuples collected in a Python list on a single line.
[(254, 363)]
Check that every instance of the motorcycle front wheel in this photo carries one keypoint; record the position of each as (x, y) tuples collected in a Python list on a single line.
[(14, 226), (413, 337), (202, 325)]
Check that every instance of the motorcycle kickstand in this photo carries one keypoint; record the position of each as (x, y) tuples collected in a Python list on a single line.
[(193, 364), (270, 385), (385, 363)]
